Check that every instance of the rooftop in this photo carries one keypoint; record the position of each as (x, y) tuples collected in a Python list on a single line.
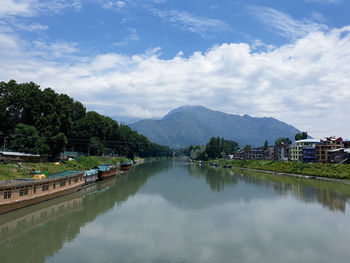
[(20, 154), (308, 141)]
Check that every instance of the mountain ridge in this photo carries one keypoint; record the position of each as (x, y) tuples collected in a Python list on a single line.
[(195, 125)]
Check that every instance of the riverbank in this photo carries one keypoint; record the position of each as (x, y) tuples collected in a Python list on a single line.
[(25, 170), (307, 170)]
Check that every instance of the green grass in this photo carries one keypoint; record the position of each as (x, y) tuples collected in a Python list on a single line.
[(337, 171), (12, 171)]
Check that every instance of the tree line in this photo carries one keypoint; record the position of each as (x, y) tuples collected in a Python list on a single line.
[(221, 148), (45, 122)]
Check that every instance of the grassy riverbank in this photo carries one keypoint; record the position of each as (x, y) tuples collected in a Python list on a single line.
[(13, 171), (337, 171)]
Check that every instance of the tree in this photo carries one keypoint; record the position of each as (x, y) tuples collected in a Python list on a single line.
[(300, 136), (57, 144), (57, 121), (248, 147), (220, 147), (25, 138), (266, 144)]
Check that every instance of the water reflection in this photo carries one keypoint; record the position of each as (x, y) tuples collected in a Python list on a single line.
[(176, 212), (34, 233), (331, 195)]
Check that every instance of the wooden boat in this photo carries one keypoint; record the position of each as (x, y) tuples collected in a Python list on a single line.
[(126, 165), (15, 194), (106, 171), (90, 176)]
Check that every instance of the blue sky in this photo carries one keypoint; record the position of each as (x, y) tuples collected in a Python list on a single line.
[(285, 59)]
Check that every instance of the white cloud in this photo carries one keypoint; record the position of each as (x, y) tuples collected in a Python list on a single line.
[(190, 22), (305, 83), (55, 49), (131, 37), (283, 24), (34, 7), (32, 27)]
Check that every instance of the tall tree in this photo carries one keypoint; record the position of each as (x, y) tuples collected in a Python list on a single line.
[(300, 136)]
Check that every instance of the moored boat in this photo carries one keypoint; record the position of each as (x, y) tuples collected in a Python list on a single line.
[(126, 165), (90, 176), (15, 194), (106, 171)]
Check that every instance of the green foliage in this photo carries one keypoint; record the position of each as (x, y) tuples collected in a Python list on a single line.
[(266, 144), (338, 171), (219, 147), (53, 122), (248, 147), (25, 138), (300, 136)]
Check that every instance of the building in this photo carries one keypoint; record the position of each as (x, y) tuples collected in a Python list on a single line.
[(270, 153), (296, 150), (309, 155), (254, 154), (329, 144), (281, 152), (336, 156), (20, 157)]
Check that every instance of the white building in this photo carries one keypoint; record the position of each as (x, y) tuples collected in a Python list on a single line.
[(296, 150)]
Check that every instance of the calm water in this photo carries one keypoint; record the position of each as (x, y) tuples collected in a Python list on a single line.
[(178, 212)]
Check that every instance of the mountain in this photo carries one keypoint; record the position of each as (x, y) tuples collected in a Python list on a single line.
[(195, 125)]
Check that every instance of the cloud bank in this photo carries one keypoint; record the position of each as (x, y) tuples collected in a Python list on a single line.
[(304, 83)]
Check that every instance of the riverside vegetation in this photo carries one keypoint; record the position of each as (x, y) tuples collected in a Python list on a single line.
[(336, 171), (25, 170)]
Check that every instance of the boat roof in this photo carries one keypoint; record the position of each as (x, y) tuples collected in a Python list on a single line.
[(90, 172), (103, 168), (19, 154), (28, 181), (62, 174)]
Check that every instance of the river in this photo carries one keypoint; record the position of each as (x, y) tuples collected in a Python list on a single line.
[(178, 212)]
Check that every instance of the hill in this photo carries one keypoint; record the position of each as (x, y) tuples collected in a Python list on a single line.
[(195, 125)]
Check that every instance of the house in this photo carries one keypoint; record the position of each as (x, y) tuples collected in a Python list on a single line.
[(296, 150), (20, 157), (309, 155), (323, 148), (336, 155), (281, 152)]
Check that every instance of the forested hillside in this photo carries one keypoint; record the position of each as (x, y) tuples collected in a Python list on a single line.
[(195, 125), (45, 122)]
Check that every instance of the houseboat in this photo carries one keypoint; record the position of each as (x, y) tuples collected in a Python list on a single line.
[(126, 165), (106, 171), (15, 194), (90, 176)]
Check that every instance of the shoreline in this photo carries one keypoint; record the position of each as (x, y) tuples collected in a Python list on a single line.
[(298, 175)]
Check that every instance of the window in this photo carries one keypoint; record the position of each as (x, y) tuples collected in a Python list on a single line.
[(54, 185), (34, 189), (23, 192), (45, 187), (76, 180), (7, 194), (62, 183), (70, 181)]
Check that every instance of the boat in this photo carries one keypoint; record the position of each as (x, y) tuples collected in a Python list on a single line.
[(126, 165), (90, 176), (18, 193), (106, 171)]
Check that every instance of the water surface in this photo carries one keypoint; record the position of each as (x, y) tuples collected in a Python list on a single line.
[(179, 212)]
